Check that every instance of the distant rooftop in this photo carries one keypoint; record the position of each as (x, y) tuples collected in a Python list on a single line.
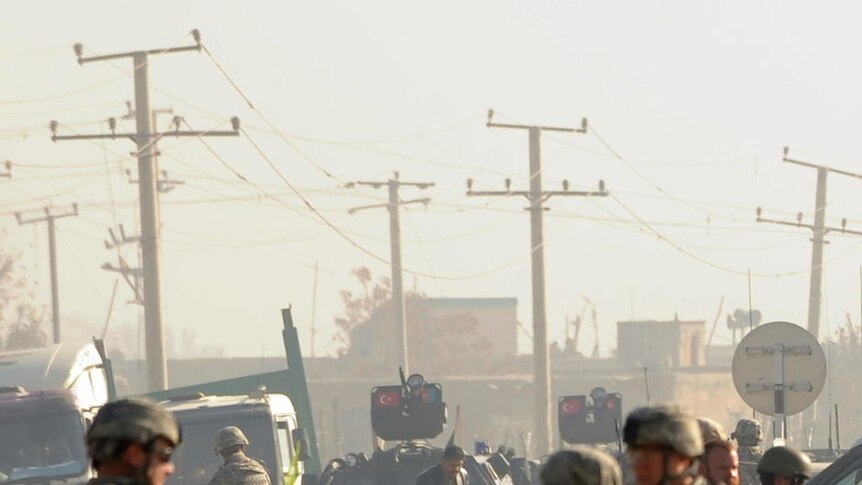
[(675, 321), (473, 301)]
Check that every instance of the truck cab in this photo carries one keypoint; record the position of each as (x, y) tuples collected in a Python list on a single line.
[(268, 420), (48, 397)]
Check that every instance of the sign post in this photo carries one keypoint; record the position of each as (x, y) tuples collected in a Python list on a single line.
[(779, 369)]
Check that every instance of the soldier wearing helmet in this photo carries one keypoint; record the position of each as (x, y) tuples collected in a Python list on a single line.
[(711, 430), (238, 468), (781, 465), (663, 446), (131, 442), (748, 436), (581, 465)]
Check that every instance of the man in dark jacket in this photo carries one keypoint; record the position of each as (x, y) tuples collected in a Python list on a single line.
[(450, 470)]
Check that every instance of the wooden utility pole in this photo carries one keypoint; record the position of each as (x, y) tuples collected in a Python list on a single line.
[(819, 231), (50, 217), (395, 202), (536, 197), (145, 138)]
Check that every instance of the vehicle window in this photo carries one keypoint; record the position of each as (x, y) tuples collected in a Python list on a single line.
[(196, 461), (852, 478), (46, 445), (284, 444)]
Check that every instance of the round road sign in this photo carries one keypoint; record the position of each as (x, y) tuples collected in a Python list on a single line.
[(779, 368)]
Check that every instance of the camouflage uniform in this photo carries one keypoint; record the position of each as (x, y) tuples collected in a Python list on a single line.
[(238, 469), (114, 481), (132, 420), (582, 465), (748, 435)]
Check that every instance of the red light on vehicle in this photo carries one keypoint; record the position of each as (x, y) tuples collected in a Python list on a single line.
[(570, 406)]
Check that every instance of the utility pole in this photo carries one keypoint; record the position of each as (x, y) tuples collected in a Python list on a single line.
[(50, 217), (164, 184), (536, 197), (131, 275), (394, 184), (145, 139), (819, 230), (314, 309)]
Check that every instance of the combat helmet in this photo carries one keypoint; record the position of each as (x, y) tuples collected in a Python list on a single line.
[(785, 462), (748, 433), (132, 420), (665, 426), (227, 437), (710, 430), (581, 465)]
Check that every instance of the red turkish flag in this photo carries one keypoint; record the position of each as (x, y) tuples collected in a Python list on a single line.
[(385, 399), (571, 406)]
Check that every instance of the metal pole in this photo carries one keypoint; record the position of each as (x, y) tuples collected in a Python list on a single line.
[(55, 295), (157, 369), (817, 255), (314, 309), (397, 287), (778, 392), (541, 359)]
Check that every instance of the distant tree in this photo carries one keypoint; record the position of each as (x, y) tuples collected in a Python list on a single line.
[(26, 333), (368, 339), (20, 321), (843, 354)]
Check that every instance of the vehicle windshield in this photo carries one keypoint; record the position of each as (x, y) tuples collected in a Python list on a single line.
[(41, 445), (196, 460)]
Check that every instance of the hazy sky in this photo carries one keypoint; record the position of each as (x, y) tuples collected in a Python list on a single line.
[(697, 97)]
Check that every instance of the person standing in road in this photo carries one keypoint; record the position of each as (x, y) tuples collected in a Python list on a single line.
[(581, 465), (748, 436), (238, 468), (450, 470), (663, 446), (131, 442), (781, 465), (720, 464)]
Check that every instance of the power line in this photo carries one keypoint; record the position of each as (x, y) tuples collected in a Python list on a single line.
[(712, 264), (67, 94), (251, 105)]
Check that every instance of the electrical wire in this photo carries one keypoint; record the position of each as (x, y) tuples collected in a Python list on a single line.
[(63, 95), (358, 246), (422, 250), (251, 105), (712, 264)]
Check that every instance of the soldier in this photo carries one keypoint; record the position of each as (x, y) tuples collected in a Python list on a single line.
[(131, 442), (748, 435), (720, 463), (450, 470), (663, 446), (781, 465), (238, 468), (581, 465), (710, 430)]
